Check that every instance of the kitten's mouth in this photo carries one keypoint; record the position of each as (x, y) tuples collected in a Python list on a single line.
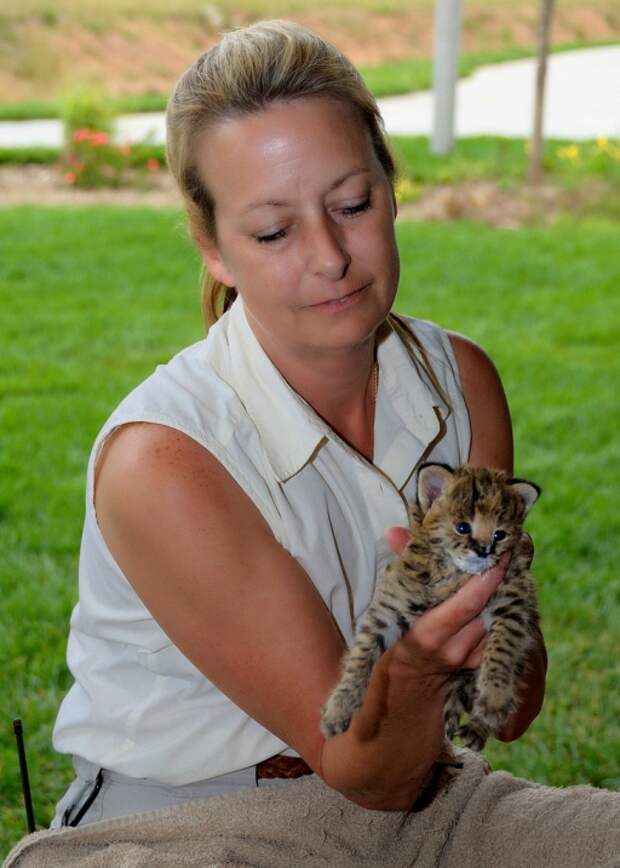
[(474, 563)]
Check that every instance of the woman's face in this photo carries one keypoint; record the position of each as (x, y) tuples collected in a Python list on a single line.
[(304, 220)]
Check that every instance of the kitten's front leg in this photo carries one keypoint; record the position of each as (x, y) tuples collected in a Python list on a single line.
[(374, 635)]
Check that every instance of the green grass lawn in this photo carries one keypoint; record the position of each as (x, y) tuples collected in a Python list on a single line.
[(92, 299), (506, 161)]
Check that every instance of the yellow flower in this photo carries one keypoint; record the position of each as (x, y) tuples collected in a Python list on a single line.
[(602, 143), (406, 190), (570, 152)]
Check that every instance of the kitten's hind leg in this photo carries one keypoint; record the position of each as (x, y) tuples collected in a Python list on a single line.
[(497, 687), (459, 698)]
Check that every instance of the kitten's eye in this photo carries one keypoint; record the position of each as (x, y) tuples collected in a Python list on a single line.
[(463, 528), (499, 535)]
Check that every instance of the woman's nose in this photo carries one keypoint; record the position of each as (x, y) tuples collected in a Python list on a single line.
[(329, 255)]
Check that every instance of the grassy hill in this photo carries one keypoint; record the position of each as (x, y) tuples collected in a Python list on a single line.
[(132, 48)]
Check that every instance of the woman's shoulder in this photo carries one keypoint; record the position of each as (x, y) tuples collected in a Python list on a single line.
[(184, 419), (193, 395), (190, 392), (474, 364), (447, 346), (435, 341)]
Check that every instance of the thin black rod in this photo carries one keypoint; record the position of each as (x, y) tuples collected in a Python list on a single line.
[(23, 770)]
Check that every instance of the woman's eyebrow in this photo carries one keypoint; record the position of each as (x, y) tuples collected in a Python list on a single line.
[(276, 203)]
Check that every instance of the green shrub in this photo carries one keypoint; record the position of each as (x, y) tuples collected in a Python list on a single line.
[(90, 157), (86, 108)]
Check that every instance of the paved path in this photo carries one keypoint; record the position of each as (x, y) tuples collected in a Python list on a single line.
[(582, 99), (583, 102)]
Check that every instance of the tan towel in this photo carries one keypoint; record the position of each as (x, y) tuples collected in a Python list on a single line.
[(479, 821)]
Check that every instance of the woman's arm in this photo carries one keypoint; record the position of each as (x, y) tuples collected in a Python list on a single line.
[(489, 416), (241, 608), (491, 445)]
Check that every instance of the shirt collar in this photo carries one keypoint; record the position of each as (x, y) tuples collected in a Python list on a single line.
[(418, 412), (291, 431)]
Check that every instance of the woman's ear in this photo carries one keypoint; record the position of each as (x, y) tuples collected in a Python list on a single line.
[(213, 261)]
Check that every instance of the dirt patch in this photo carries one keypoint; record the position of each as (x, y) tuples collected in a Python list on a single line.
[(490, 203), (41, 56), (484, 201), (43, 185)]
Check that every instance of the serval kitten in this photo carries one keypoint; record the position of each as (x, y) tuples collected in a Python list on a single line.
[(464, 519)]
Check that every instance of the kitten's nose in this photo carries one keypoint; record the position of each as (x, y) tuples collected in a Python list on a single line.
[(480, 549)]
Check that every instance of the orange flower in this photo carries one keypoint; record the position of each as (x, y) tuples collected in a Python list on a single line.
[(125, 150), (100, 138), (82, 135), (152, 165), (70, 177)]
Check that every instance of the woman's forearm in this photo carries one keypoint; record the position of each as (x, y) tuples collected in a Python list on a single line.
[(385, 756)]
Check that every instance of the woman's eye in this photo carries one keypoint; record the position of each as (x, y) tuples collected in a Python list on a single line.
[(356, 209), (499, 535), (275, 236), (463, 528)]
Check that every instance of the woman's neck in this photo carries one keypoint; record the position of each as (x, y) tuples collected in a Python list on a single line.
[(339, 385)]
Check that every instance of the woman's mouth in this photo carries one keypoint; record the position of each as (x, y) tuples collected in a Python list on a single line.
[(341, 302)]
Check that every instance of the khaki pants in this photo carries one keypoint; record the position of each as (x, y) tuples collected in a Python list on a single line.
[(89, 801), (478, 820)]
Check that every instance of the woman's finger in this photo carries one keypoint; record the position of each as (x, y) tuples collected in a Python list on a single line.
[(474, 659), (526, 545), (397, 538), (460, 648), (431, 660), (438, 625)]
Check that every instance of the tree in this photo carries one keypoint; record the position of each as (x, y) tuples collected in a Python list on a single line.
[(536, 141)]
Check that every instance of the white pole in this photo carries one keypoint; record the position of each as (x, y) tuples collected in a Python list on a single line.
[(445, 73)]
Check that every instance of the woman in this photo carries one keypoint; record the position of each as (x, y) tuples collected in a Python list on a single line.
[(237, 500)]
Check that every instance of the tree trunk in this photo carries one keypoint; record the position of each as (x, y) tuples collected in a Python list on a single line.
[(536, 141)]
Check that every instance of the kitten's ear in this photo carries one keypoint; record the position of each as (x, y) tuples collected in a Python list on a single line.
[(432, 482), (527, 490)]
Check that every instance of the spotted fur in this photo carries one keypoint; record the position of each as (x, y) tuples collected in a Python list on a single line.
[(461, 524)]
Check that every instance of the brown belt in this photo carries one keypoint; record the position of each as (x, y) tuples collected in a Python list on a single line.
[(279, 766)]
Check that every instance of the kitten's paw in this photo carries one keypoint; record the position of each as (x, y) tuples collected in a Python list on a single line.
[(492, 709), (472, 736), (333, 724), (451, 725), (337, 712)]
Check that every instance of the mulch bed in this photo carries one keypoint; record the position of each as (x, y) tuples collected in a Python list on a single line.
[(485, 201)]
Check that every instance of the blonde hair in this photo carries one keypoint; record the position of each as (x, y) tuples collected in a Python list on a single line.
[(247, 70)]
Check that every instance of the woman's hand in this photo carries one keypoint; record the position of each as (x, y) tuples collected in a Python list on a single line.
[(385, 756)]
